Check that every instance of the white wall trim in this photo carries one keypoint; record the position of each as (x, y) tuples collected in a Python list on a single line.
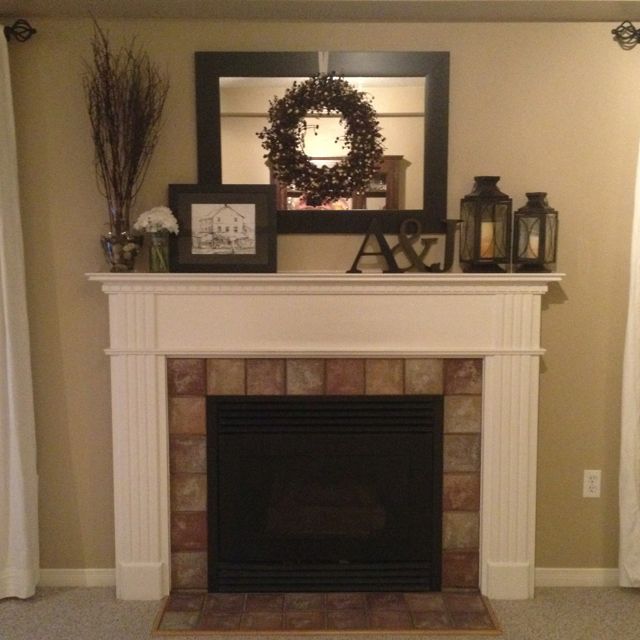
[(576, 577), (77, 578)]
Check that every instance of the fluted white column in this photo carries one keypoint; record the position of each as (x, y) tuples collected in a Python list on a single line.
[(509, 450), (140, 453)]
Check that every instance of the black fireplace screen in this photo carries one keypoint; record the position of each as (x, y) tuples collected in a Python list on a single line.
[(324, 493)]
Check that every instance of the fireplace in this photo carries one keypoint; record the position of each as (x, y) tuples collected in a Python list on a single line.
[(490, 318), (454, 384), (324, 493)]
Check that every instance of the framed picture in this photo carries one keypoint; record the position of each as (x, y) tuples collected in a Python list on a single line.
[(223, 228)]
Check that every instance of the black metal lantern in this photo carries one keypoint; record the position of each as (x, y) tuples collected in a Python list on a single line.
[(535, 234), (485, 234)]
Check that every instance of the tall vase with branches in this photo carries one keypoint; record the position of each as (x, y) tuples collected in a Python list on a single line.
[(125, 94)]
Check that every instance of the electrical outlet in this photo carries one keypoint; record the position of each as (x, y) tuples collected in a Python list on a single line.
[(591, 483)]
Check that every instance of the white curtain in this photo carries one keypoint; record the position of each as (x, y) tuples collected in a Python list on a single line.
[(19, 559), (630, 433)]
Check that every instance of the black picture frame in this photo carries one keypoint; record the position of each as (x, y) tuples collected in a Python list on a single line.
[(210, 66), (219, 244)]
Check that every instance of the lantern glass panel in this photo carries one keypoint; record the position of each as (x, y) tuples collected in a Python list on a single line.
[(551, 239), (468, 226), (502, 212), (528, 237)]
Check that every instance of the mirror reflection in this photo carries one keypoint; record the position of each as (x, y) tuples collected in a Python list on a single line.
[(400, 106)]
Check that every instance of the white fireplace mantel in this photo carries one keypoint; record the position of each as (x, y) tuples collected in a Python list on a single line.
[(491, 316)]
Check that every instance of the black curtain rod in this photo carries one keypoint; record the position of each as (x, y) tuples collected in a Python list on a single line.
[(20, 30), (626, 35)]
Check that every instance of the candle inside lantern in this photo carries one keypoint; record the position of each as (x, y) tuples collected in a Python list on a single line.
[(533, 246), (487, 240)]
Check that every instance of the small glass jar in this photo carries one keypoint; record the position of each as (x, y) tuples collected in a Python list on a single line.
[(159, 252)]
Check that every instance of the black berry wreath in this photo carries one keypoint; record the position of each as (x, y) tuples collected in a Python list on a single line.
[(284, 138)]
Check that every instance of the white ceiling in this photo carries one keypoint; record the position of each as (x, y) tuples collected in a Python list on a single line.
[(335, 10)]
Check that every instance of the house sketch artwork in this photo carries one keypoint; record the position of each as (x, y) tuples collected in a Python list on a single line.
[(223, 229)]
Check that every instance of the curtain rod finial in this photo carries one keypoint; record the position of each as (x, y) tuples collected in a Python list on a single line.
[(20, 30), (626, 35)]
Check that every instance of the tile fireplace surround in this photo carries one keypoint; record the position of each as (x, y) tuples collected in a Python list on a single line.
[(493, 317)]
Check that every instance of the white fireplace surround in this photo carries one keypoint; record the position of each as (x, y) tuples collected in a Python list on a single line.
[(491, 316)]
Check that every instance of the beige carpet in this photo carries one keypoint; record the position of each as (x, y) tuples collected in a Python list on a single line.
[(95, 614)]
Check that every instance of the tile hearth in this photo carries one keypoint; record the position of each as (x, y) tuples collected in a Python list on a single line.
[(193, 612)]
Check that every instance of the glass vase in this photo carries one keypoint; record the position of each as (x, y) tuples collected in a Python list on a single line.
[(120, 250), (159, 252)]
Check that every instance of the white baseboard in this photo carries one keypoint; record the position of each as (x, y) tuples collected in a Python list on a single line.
[(544, 577), (77, 578), (569, 577)]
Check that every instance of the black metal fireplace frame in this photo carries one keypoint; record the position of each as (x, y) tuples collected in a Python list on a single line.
[(387, 415)]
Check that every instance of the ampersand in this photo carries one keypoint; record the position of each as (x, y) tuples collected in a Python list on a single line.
[(410, 231)]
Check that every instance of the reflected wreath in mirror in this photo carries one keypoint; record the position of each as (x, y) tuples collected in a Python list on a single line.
[(284, 139)]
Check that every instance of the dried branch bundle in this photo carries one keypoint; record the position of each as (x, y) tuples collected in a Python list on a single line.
[(125, 97)]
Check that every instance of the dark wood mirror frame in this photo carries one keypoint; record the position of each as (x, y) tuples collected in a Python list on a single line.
[(433, 66)]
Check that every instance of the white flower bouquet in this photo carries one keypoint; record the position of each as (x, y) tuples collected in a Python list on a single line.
[(159, 222), (156, 220)]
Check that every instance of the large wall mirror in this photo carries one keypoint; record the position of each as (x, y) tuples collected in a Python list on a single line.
[(410, 92)]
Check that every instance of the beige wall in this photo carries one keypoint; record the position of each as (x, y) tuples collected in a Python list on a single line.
[(549, 107)]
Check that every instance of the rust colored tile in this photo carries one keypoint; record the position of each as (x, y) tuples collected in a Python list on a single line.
[(460, 530), (303, 601), (346, 601), (189, 570), (219, 603), (219, 621), (189, 531), (388, 619), (460, 569), (425, 601), (305, 376), (462, 414), (384, 376), (461, 491), (464, 602), (264, 602), (188, 492), (226, 376), (344, 376), (386, 601), (188, 454), (262, 620), (304, 620), (186, 376), (462, 376), (187, 414), (469, 620), (342, 619), (185, 602), (423, 375), (179, 620), (461, 453), (430, 620), (265, 377)]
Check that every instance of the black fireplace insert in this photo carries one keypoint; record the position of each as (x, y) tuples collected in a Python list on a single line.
[(324, 493)]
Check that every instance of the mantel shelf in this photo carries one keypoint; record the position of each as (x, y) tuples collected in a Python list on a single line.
[(329, 276), (326, 282)]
